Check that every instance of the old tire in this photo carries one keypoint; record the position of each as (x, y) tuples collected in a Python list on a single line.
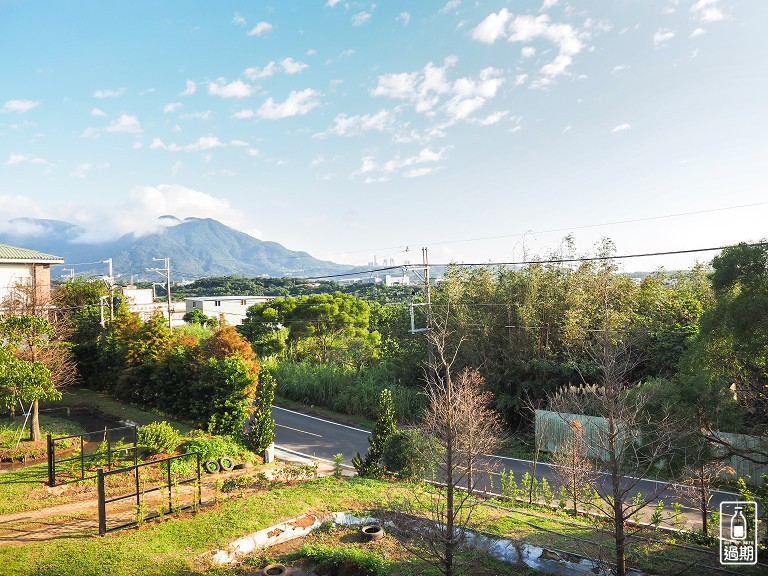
[(373, 532), (226, 464), (211, 466), (275, 570)]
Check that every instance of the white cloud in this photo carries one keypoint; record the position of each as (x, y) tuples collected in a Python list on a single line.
[(98, 112), (403, 17), (698, 32), (298, 103), (235, 89), (492, 27), (109, 93), (256, 73), (205, 115), (661, 36), (360, 18), (190, 89), (239, 20), (450, 5), (85, 168), (492, 119), (344, 125), (16, 159), (528, 52), (520, 79), (244, 114), (708, 11), (292, 66), (430, 90), (208, 142), (16, 206), (20, 106), (260, 28), (526, 28), (622, 127), (126, 124), (332, 3), (412, 163), (172, 107), (620, 69)]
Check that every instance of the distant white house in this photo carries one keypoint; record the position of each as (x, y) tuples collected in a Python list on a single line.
[(231, 308), (24, 267), (141, 301), (404, 280)]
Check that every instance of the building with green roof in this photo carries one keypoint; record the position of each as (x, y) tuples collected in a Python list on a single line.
[(21, 267)]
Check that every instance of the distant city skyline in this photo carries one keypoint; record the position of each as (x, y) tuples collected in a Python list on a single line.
[(486, 130)]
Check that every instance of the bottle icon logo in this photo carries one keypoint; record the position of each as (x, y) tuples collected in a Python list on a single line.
[(738, 525), (738, 533)]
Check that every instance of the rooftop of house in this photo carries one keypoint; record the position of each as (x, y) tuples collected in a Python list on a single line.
[(16, 255)]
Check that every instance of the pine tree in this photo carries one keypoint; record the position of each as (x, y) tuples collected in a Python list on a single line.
[(385, 426)]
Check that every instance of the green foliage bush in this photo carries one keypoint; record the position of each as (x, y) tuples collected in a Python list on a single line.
[(410, 455), (214, 447), (368, 563), (345, 390), (159, 437)]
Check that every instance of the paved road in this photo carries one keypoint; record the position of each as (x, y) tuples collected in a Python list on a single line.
[(323, 439)]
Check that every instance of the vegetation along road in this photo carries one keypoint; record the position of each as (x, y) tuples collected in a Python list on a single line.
[(322, 439)]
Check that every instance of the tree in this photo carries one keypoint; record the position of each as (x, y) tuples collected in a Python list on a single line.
[(27, 344), (630, 441), (385, 426), (461, 424), (262, 426), (574, 468), (197, 316)]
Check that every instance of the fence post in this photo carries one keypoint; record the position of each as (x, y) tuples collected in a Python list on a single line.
[(82, 458), (102, 503), (135, 445), (170, 492), (199, 483), (51, 463)]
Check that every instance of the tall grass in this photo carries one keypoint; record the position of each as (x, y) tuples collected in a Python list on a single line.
[(343, 390)]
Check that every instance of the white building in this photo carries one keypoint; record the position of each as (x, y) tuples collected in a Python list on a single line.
[(141, 301), (23, 267), (405, 280), (231, 308)]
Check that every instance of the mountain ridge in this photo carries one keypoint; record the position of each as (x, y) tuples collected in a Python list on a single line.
[(196, 247)]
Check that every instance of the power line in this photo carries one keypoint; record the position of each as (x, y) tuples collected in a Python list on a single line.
[(564, 229), (551, 260)]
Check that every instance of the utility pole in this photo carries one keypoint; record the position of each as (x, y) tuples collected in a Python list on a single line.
[(428, 308), (111, 286), (71, 274), (167, 272)]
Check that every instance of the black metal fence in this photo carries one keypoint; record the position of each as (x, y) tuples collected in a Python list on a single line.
[(92, 449), (150, 483)]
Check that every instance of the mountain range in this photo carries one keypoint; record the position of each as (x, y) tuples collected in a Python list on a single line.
[(196, 247)]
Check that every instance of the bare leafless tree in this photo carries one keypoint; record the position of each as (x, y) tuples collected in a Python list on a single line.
[(574, 467), (629, 440), (461, 425)]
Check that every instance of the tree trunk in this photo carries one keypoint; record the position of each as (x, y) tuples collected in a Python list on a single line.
[(34, 428), (449, 527)]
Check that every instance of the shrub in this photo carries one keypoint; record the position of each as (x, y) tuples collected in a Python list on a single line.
[(158, 437), (410, 454), (215, 447)]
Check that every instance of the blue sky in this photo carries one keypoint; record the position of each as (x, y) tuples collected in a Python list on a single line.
[(484, 130)]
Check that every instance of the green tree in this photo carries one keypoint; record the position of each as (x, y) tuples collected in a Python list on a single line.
[(384, 428), (262, 426), (197, 316), (27, 341), (731, 349)]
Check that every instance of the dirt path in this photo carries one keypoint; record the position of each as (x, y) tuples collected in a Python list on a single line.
[(80, 518)]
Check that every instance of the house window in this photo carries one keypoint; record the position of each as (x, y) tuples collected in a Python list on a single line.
[(217, 302), (242, 302)]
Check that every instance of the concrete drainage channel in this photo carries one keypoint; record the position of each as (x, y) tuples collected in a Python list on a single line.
[(510, 551)]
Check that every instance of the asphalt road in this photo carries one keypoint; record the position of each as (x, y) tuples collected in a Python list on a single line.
[(323, 439)]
